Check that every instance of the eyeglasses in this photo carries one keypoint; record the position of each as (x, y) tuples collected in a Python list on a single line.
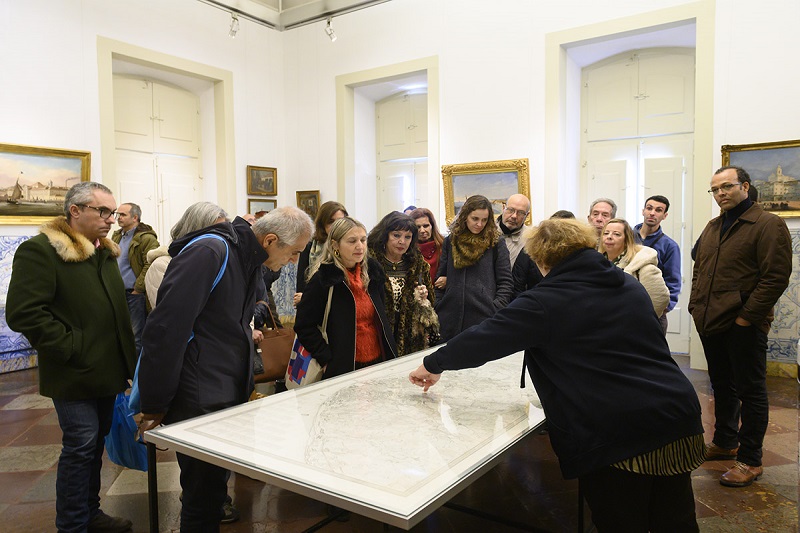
[(725, 187), (512, 211), (105, 213)]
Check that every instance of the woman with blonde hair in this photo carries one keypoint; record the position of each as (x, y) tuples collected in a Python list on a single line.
[(622, 417), (474, 278), (358, 330), (618, 245)]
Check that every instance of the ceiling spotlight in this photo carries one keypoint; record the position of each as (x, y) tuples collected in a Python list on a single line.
[(329, 31), (234, 26)]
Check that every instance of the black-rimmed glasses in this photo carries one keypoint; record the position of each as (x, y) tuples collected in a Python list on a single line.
[(104, 212), (725, 187)]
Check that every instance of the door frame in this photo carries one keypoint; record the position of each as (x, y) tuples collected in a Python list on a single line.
[(562, 92), (110, 49), (346, 132)]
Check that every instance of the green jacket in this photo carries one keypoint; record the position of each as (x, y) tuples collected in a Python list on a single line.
[(68, 299), (144, 240)]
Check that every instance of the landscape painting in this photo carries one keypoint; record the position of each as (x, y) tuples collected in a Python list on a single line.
[(35, 180), (496, 180), (774, 170)]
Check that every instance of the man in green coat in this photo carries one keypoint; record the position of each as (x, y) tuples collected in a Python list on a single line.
[(66, 296), (135, 239)]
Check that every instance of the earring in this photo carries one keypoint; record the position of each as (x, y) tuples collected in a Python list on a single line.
[(336, 252)]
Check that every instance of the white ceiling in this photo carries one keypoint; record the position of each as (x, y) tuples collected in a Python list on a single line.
[(288, 14)]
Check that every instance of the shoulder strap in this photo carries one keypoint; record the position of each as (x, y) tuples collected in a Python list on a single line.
[(224, 263), (327, 311)]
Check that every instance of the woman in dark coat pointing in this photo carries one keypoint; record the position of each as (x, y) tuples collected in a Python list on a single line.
[(622, 417)]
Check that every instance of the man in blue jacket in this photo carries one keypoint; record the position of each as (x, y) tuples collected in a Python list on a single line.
[(197, 347), (649, 233)]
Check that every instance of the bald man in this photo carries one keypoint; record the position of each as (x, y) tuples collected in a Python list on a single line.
[(511, 223)]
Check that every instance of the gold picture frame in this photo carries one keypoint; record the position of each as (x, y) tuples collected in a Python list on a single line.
[(308, 201), (497, 180), (255, 205), (35, 179), (262, 181), (774, 169)]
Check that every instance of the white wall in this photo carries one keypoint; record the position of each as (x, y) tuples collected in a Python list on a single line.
[(491, 74), (49, 73)]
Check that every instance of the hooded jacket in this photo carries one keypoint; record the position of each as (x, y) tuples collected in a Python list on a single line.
[(144, 239), (644, 267), (340, 351), (197, 347), (68, 299), (608, 395)]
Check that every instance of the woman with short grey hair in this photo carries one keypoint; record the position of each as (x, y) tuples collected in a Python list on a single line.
[(197, 216)]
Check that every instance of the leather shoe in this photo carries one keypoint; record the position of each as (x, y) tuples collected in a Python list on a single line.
[(714, 452), (102, 523), (741, 475)]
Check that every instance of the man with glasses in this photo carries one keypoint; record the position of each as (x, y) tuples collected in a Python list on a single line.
[(135, 239), (66, 296), (511, 223), (743, 263)]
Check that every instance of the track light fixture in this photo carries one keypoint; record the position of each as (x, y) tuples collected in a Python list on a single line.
[(329, 31), (234, 26)]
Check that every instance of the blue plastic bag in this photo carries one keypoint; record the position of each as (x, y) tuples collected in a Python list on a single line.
[(121, 443)]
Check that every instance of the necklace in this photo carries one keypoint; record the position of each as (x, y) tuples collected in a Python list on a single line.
[(391, 264)]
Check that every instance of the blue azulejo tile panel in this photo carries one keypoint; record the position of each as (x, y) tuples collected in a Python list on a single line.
[(283, 290), (15, 351), (782, 345)]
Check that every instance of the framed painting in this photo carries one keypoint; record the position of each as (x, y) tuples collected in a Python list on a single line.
[(256, 206), (308, 201), (496, 180), (774, 169), (262, 181), (35, 180)]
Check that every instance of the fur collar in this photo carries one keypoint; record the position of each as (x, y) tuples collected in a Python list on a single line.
[(71, 246), (468, 248)]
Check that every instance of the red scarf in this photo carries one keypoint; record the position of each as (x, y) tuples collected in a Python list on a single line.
[(368, 342), (431, 253)]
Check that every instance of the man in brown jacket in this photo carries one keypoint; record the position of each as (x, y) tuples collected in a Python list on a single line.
[(743, 263)]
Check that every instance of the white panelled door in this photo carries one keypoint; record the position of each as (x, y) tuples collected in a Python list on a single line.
[(157, 157)]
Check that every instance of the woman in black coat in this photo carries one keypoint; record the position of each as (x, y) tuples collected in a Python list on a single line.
[(622, 417), (358, 331)]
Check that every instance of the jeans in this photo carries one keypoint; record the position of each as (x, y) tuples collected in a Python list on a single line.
[(84, 424), (625, 502), (737, 369), (205, 488), (138, 312)]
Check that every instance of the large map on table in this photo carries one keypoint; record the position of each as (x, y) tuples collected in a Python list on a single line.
[(371, 436)]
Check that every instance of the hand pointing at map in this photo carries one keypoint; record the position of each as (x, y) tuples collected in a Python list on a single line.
[(422, 378)]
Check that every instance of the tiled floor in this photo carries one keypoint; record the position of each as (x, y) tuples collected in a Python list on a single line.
[(526, 489)]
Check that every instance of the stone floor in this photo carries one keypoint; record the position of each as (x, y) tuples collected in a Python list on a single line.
[(529, 495)]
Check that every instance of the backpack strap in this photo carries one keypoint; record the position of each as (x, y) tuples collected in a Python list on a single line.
[(224, 263)]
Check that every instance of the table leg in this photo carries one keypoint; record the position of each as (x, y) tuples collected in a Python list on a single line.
[(152, 487)]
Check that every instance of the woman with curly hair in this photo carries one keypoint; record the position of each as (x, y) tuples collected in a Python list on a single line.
[(429, 239), (408, 287), (474, 278)]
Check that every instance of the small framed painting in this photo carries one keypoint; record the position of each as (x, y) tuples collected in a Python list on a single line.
[(774, 169), (308, 201), (262, 181), (256, 206), (34, 181), (496, 180)]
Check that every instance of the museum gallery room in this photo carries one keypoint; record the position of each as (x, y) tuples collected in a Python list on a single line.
[(380, 105)]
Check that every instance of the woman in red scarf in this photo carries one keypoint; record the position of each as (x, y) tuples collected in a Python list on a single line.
[(429, 239)]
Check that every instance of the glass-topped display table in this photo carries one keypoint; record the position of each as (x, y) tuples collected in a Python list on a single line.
[(369, 441)]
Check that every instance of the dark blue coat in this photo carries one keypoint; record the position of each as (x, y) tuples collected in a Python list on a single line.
[(197, 345), (596, 355)]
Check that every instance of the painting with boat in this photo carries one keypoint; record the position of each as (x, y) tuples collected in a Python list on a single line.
[(34, 181)]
